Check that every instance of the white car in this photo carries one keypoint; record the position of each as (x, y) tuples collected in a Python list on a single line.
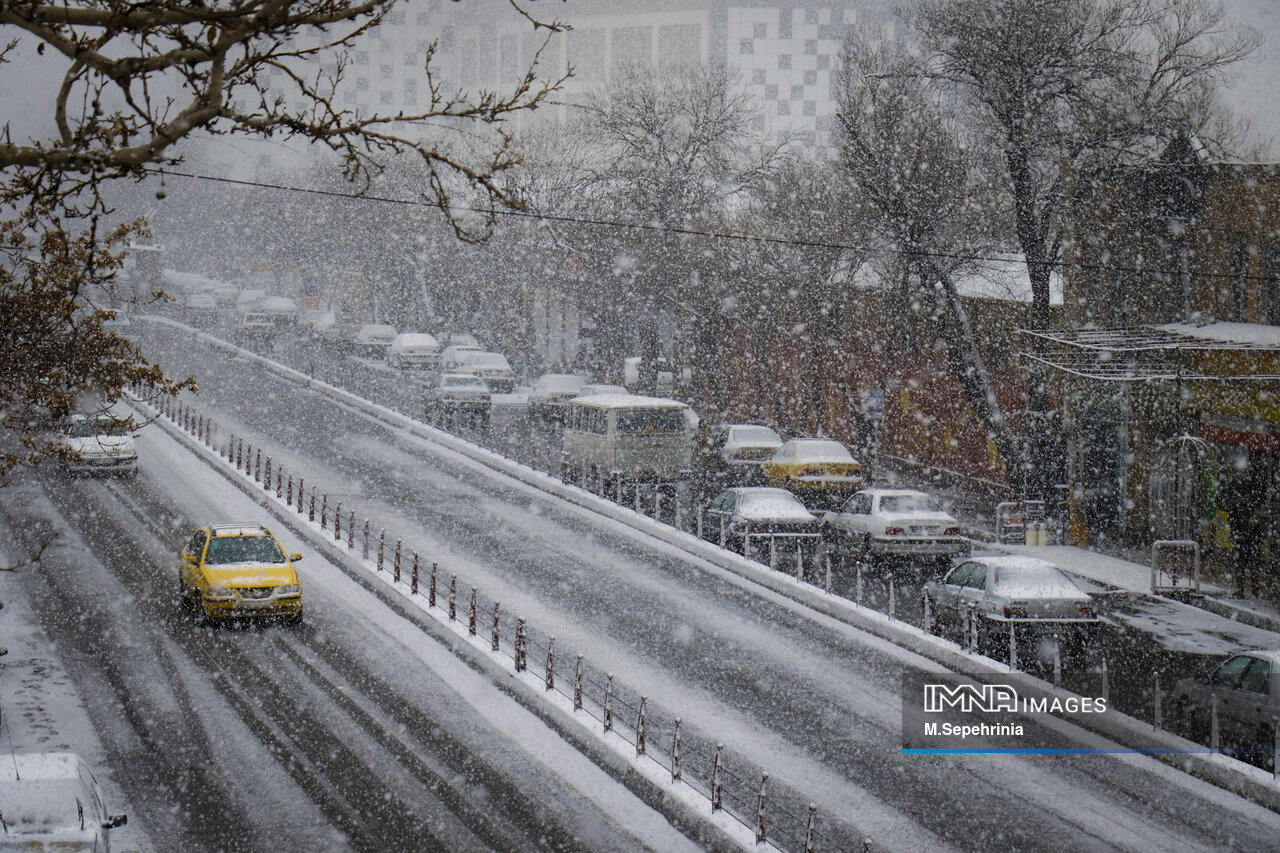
[(892, 522), (50, 801), (413, 349), (492, 367), (453, 356), (200, 303), (374, 338), (552, 392), (97, 444), (745, 445), (322, 324), (597, 389)]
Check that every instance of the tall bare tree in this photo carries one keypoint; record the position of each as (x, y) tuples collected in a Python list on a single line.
[(136, 79)]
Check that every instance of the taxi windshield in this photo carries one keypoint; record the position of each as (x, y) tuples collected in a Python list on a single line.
[(243, 549)]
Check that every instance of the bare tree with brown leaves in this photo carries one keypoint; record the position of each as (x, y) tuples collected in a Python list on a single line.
[(136, 79)]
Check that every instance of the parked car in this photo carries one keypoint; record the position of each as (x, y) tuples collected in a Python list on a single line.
[(1246, 690), (897, 522), (822, 471), (239, 570), (732, 454), (51, 801), (592, 390), (757, 520), (551, 393), (1033, 597), (281, 309), (492, 367), (465, 339), (413, 349), (96, 444), (200, 306), (255, 329), (458, 397), (451, 357), (319, 324), (374, 338)]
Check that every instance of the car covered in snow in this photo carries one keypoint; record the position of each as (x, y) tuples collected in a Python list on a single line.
[(319, 324), (552, 392), (413, 349), (453, 356), (458, 395), (255, 330), (1031, 597), (96, 444), (374, 339), (756, 519), (50, 801), (897, 522), (1245, 689), (492, 367), (820, 470), (595, 388), (228, 571), (198, 305)]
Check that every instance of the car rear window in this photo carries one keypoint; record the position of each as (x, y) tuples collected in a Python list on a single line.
[(909, 503), (243, 549)]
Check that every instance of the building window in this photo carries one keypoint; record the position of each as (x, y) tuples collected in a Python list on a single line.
[(395, 19), (632, 48), (586, 54)]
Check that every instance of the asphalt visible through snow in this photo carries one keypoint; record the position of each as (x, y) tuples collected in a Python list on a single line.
[(814, 703), (331, 736)]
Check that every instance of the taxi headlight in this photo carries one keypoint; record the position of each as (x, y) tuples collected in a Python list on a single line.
[(289, 589), (221, 592)]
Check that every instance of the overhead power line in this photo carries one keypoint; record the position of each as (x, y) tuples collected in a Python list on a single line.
[(677, 230)]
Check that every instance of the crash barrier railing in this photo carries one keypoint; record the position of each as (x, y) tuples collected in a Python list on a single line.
[(726, 780), (798, 539), (1175, 566), (655, 499)]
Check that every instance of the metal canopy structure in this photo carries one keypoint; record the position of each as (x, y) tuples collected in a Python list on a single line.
[(1140, 354)]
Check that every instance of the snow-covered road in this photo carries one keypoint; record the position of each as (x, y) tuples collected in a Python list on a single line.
[(813, 701)]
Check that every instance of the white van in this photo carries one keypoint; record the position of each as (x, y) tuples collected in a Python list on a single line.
[(413, 349), (492, 367), (643, 439)]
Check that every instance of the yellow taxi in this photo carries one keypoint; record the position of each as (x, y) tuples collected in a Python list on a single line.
[(239, 570), (813, 467)]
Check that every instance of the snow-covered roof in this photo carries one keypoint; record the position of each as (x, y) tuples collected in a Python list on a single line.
[(1250, 335), (998, 277), (628, 401)]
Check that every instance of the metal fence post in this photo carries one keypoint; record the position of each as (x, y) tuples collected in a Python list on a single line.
[(413, 578), (577, 684), (550, 669), (810, 828), (239, 453), (675, 753), (1013, 647), (471, 614), (289, 495), (266, 477), (351, 530), (717, 783), (324, 511), (760, 799), (301, 491), (337, 523), (640, 733), (279, 482), (928, 614), (827, 586), (1057, 662), (637, 501), (608, 701), (799, 560), (257, 466), (773, 552), (858, 590), (699, 522), (364, 553), (1159, 702), (395, 563), (431, 589), (496, 637), (522, 660), (311, 506), (891, 600), (1106, 679), (453, 598), (1275, 749), (1215, 735)]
